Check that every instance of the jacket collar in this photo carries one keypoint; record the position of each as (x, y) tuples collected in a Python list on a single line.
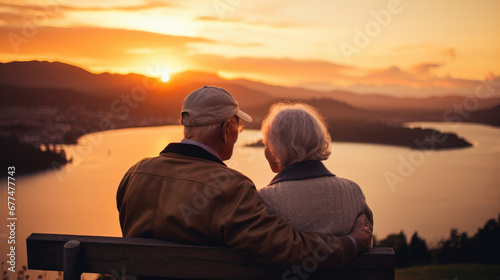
[(301, 171), (190, 150)]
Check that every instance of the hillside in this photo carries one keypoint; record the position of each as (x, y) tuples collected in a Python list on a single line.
[(490, 116), (53, 102), (54, 115), (59, 97), (376, 102), (43, 74)]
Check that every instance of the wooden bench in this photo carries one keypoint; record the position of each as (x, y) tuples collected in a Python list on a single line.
[(74, 254)]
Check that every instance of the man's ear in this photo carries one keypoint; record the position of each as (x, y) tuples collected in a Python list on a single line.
[(224, 131)]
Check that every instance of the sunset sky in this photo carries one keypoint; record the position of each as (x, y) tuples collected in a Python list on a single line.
[(416, 48)]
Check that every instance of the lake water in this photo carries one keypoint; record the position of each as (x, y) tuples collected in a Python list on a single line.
[(428, 192)]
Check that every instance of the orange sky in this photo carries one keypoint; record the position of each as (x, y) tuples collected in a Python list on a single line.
[(402, 47)]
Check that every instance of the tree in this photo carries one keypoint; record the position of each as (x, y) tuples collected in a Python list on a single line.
[(400, 246), (455, 249), (486, 243), (418, 251)]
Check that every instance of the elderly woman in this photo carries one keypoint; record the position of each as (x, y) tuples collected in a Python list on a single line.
[(304, 193)]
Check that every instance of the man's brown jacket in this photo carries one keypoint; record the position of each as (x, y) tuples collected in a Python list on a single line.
[(188, 195)]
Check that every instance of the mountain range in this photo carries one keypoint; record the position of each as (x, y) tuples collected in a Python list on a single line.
[(133, 99), (250, 94)]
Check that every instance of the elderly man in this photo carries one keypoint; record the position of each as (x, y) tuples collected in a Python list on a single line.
[(187, 194)]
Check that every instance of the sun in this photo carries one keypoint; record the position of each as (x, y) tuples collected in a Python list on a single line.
[(165, 77)]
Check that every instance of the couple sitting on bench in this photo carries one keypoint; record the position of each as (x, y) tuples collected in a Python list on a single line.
[(188, 195)]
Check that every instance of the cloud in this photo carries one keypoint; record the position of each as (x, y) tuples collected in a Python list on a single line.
[(410, 47), (99, 48), (234, 20), (117, 50), (274, 69), (90, 40), (282, 24), (424, 68), (133, 8), (417, 77), (449, 52), (14, 14), (11, 19), (23, 9), (389, 76), (28, 9), (243, 45), (209, 18), (442, 52), (17, 14)]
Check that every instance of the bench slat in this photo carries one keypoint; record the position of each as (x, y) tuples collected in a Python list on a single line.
[(158, 258)]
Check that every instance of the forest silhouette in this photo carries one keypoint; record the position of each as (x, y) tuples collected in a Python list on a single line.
[(482, 247)]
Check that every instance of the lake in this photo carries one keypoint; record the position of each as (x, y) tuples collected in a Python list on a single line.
[(429, 192)]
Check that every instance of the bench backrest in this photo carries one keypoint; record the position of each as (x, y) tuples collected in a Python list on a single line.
[(76, 254)]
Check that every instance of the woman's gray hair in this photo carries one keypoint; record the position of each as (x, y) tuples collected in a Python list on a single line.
[(295, 133)]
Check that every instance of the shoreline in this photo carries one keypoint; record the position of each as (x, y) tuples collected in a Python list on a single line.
[(407, 135)]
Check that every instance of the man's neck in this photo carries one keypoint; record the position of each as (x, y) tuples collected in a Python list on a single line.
[(199, 142)]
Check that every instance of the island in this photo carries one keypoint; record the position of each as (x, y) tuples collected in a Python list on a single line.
[(390, 134), (28, 158)]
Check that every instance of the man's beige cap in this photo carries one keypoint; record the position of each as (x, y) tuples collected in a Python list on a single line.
[(210, 105)]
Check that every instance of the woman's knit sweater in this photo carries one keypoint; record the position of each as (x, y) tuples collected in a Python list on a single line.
[(311, 199)]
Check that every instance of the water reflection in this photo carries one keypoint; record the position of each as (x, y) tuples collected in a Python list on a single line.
[(457, 188)]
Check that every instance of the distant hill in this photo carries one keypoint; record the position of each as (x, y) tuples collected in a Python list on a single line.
[(377, 102), (55, 75), (490, 116), (341, 111), (165, 99), (33, 97), (46, 102), (43, 74), (53, 102)]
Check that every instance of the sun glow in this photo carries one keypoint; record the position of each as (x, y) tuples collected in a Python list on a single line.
[(165, 77)]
